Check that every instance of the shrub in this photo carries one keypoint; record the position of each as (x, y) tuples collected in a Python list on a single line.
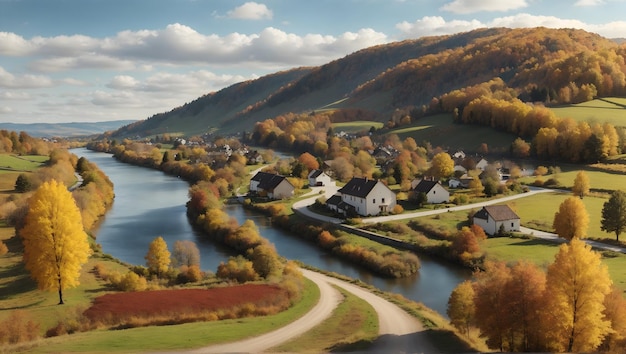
[(189, 274), (397, 209), (18, 328), (3, 249), (238, 269)]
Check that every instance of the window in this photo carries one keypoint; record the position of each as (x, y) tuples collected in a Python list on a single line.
[(374, 201), (383, 200), (512, 225)]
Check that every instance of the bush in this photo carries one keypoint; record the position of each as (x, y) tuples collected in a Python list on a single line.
[(18, 328), (3, 249), (238, 269), (189, 274), (397, 209)]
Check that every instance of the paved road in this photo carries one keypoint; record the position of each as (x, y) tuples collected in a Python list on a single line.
[(399, 332)]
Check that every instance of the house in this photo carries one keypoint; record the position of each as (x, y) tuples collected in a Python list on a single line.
[(319, 178), (435, 193), (454, 183), (482, 164), (365, 197), (493, 217), (272, 185)]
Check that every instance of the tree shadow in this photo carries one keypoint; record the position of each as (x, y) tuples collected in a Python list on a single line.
[(537, 242), (428, 341), (21, 284)]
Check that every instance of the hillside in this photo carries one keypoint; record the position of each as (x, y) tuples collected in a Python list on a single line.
[(65, 129), (538, 64)]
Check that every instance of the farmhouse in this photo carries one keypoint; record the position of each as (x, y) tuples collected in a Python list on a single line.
[(318, 178), (272, 185), (364, 197), (435, 193), (493, 218)]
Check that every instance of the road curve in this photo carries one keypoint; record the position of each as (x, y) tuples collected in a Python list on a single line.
[(398, 331)]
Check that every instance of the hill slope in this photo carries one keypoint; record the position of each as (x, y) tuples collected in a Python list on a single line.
[(539, 64), (65, 129)]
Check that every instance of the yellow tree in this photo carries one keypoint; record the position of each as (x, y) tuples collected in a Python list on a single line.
[(572, 219), (581, 185), (461, 309), (158, 256), (577, 284), (442, 165), (55, 244)]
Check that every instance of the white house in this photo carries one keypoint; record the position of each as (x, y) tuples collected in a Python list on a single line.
[(435, 193), (319, 178), (274, 186), (366, 197), (493, 217), (482, 164)]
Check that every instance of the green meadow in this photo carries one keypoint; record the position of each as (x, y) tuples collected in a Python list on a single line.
[(10, 162), (356, 126), (602, 110), (439, 130)]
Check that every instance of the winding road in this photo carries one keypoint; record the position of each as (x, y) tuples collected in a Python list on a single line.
[(399, 332)]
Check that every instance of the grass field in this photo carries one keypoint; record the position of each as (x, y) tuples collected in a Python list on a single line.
[(440, 131), (356, 126), (353, 323), (599, 180), (607, 110), (10, 163)]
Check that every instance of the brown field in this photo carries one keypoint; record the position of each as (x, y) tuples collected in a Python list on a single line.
[(159, 303)]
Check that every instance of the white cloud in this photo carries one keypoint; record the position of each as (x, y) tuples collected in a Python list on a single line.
[(14, 96), (251, 11), (121, 82), (589, 2), (5, 110), (436, 25), (473, 6), (27, 81), (12, 44)]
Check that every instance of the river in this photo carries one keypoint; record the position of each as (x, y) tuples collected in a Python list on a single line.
[(149, 203)]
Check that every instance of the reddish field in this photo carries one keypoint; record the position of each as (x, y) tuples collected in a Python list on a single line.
[(151, 304)]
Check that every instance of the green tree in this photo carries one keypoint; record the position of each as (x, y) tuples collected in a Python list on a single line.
[(55, 244), (572, 219), (614, 214), (158, 256), (577, 283), (581, 185), (22, 183)]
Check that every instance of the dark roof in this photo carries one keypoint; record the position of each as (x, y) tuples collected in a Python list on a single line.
[(425, 186), (334, 200), (497, 212), (268, 181), (315, 173), (358, 187)]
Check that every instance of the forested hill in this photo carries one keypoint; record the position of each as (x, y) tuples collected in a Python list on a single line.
[(539, 64)]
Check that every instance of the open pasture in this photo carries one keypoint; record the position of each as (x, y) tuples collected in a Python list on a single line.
[(601, 110)]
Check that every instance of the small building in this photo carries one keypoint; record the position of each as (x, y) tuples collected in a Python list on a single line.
[(494, 218), (319, 178), (435, 193), (366, 197), (273, 185), (482, 164)]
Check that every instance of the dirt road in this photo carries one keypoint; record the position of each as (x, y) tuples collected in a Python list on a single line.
[(399, 332)]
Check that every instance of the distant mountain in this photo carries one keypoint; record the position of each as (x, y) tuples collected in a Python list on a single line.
[(538, 64), (65, 129)]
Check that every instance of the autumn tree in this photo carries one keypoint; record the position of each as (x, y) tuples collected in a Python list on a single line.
[(23, 183), (55, 243), (492, 306), (572, 219), (158, 256), (442, 165), (461, 309), (581, 185), (615, 312), (614, 214), (185, 253), (577, 283)]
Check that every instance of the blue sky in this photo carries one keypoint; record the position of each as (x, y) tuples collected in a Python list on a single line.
[(99, 60)]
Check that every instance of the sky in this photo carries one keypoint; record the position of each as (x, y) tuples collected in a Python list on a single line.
[(99, 60)]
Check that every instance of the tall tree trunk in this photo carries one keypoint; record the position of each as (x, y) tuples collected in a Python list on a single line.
[(60, 293)]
